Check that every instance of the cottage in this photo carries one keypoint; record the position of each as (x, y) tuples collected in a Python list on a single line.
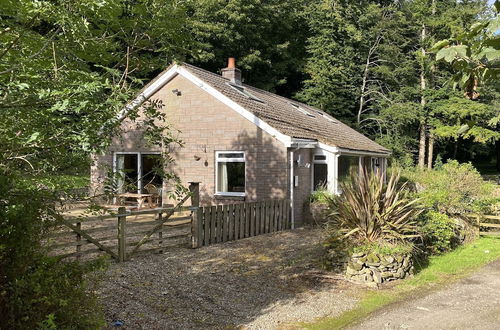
[(241, 143)]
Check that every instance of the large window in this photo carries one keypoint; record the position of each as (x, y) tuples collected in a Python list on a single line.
[(134, 170), (320, 172), (347, 166), (230, 173)]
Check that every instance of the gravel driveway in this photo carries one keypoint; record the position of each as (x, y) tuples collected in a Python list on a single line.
[(264, 282), (472, 303)]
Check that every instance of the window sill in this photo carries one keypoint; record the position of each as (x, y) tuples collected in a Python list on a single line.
[(221, 196)]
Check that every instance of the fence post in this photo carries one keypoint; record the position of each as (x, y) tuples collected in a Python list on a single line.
[(196, 223), (78, 241), (122, 220), (160, 235)]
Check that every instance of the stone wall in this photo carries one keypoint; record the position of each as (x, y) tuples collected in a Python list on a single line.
[(372, 268)]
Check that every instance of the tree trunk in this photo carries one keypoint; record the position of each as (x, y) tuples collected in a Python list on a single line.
[(423, 126), (366, 71), (430, 151), (421, 145)]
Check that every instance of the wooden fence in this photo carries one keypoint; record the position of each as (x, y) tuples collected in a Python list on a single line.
[(489, 225), (221, 223), (122, 234), (119, 238)]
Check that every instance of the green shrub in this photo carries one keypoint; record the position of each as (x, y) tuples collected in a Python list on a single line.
[(369, 210), (37, 290), (321, 195), (453, 188), (385, 248), (438, 233)]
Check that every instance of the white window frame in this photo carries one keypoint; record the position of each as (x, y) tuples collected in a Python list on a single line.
[(319, 161), (139, 163), (229, 160)]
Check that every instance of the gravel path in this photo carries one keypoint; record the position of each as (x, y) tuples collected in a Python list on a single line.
[(472, 303), (266, 282)]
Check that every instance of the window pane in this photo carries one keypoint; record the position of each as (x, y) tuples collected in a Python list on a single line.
[(127, 172), (348, 165), (320, 176), (319, 157), (152, 171), (231, 177)]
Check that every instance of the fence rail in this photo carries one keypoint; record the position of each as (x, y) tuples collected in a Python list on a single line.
[(221, 223), (113, 234), (489, 225)]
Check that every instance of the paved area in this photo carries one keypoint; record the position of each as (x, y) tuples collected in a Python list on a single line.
[(472, 303)]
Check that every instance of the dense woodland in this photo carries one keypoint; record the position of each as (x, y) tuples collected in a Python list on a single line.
[(66, 67), (418, 76)]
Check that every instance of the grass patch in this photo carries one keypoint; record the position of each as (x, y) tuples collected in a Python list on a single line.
[(440, 270), (58, 182)]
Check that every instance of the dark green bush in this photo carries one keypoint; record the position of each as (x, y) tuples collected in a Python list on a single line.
[(38, 291), (439, 233)]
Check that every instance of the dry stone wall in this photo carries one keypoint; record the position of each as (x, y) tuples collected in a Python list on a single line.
[(372, 268)]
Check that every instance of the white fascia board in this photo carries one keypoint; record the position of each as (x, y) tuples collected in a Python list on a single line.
[(285, 139), (351, 152), (148, 92)]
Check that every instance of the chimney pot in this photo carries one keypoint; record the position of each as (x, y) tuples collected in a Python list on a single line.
[(232, 72)]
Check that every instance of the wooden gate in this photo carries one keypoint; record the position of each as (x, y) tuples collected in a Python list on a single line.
[(221, 223), (489, 225), (119, 238)]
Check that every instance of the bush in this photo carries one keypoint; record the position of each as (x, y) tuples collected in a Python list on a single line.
[(439, 233), (453, 188), (320, 196), (37, 290), (369, 210)]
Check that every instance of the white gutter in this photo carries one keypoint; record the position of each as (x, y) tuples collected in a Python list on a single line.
[(352, 151)]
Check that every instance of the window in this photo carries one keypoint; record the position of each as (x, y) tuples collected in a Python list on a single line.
[(134, 170), (347, 166), (320, 172), (298, 107), (230, 173), (245, 92)]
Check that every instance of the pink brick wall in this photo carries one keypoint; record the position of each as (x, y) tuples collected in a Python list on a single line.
[(206, 125)]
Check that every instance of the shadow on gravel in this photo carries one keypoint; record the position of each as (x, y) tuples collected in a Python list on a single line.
[(223, 285)]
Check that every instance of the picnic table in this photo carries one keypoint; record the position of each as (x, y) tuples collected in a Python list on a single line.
[(141, 198)]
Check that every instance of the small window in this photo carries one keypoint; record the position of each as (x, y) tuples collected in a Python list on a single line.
[(298, 107), (320, 176), (230, 173), (320, 172), (327, 117), (319, 157), (245, 92)]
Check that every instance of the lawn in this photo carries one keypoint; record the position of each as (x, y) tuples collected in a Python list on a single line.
[(439, 271)]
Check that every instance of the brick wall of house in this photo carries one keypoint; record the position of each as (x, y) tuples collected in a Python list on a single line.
[(207, 125), (302, 191)]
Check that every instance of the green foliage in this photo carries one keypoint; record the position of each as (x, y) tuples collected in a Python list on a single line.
[(385, 248), (438, 232), (321, 196), (370, 211), (474, 54), (36, 289), (453, 189)]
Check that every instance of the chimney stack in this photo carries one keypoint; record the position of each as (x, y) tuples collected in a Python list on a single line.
[(231, 72)]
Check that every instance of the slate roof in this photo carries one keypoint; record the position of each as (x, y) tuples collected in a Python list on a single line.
[(290, 117)]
